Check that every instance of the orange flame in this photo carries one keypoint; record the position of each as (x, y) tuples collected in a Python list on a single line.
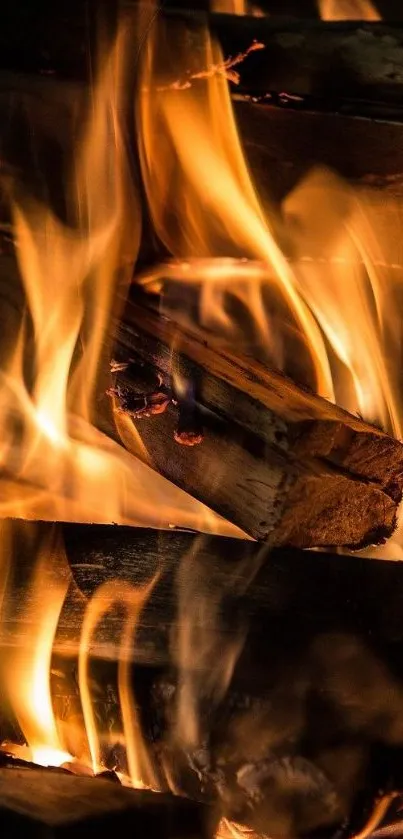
[(56, 463), (237, 7), (214, 204), (27, 673), (348, 10), (140, 768)]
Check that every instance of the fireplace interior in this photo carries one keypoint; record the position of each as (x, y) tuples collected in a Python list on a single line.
[(201, 459)]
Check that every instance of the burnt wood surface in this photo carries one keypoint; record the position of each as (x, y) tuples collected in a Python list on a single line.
[(282, 145), (313, 711), (340, 62), (40, 122), (281, 463), (389, 10), (35, 802), (278, 155), (336, 61), (323, 591)]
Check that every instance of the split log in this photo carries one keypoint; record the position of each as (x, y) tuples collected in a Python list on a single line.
[(284, 465), (36, 801)]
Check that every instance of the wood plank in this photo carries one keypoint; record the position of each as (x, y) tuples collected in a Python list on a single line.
[(283, 144)]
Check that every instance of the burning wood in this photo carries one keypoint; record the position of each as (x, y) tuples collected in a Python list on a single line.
[(231, 653), (37, 801), (282, 464)]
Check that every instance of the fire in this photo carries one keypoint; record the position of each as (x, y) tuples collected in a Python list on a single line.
[(214, 210), (140, 768), (55, 463), (27, 669), (334, 275), (334, 286), (58, 465), (237, 7), (348, 10)]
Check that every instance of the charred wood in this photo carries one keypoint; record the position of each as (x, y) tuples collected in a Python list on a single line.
[(344, 64), (282, 145), (35, 801), (312, 714), (341, 62), (40, 115), (281, 463)]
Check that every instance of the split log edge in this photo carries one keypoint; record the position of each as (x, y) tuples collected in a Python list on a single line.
[(284, 465)]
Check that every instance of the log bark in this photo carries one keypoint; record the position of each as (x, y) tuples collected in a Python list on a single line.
[(284, 465), (36, 801)]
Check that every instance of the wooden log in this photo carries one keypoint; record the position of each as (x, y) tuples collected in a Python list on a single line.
[(313, 710), (309, 589), (301, 609), (282, 464), (389, 10), (36, 801), (338, 61), (282, 145)]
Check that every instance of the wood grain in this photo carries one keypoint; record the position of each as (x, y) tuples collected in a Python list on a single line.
[(279, 462)]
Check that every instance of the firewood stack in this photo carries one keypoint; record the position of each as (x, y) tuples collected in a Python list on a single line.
[(308, 736)]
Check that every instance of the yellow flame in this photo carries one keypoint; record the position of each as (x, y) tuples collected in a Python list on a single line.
[(237, 7), (198, 186), (108, 595), (55, 463), (348, 10), (349, 285), (27, 674)]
